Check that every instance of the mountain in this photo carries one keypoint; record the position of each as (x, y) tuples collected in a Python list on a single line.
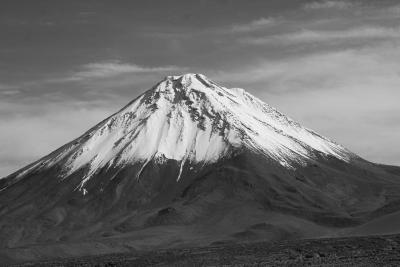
[(190, 162)]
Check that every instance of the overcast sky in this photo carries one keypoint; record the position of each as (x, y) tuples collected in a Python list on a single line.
[(334, 66)]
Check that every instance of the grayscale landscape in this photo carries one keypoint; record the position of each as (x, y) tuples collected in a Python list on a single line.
[(188, 163)]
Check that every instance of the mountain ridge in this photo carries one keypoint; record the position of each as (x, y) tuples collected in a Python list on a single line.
[(192, 99)]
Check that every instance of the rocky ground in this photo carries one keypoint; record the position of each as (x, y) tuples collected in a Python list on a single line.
[(349, 251)]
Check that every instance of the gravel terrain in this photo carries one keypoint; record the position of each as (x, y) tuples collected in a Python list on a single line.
[(349, 251)]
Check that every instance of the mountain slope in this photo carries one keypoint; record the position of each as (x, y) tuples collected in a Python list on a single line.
[(192, 162), (190, 118)]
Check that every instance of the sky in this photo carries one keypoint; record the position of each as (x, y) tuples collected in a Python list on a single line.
[(332, 65)]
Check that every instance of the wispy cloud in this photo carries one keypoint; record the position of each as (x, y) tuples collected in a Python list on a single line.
[(108, 69), (328, 4), (9, 90), (372, 66), (254, 25), (312, 36)]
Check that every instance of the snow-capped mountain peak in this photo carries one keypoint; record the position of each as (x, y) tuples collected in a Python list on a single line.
[(190, 119)]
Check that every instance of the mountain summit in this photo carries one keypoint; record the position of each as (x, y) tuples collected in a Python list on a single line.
[(192, 162), (192, 120)]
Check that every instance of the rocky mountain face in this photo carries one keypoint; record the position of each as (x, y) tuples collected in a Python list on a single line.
[(190, 162)]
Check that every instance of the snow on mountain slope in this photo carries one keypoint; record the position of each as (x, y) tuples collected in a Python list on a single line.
[(191, 119)]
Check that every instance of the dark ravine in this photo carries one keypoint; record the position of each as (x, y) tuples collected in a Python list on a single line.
[(245, 195)]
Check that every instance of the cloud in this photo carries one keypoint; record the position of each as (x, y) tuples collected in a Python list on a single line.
[(113, 68), (7, 90), (254, 25), (312, 36), (328, 4), (388, 12), (373, 66)]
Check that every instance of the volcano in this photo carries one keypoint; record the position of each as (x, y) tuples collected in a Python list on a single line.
[(192, 163)]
